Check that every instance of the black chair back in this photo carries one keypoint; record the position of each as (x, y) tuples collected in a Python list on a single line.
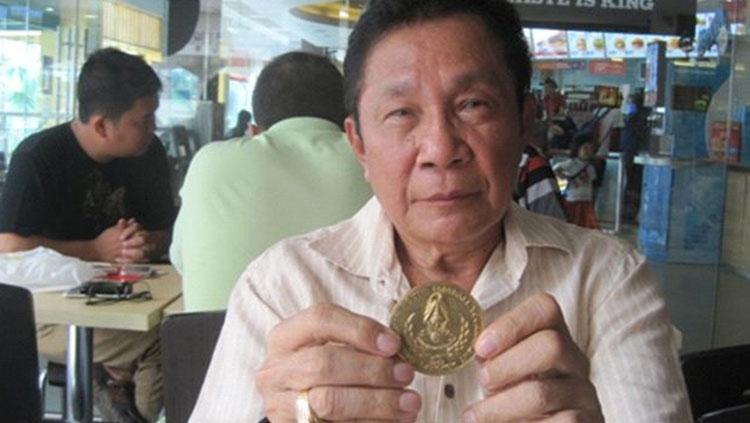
[(19, 363), (717, 379), (187, 342), (738, 414)]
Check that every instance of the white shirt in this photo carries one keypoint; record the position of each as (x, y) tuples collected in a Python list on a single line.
[(609, 298)]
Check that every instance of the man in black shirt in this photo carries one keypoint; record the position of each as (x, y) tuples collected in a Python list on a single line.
[(97, 188)]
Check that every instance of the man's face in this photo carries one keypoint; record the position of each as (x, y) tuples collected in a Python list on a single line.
[(441, 133), (133, 132)]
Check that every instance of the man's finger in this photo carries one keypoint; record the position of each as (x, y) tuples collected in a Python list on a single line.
[(136, 241), (130, 230), (132, 255), (533, 399), (335, 365), (324, 323), (348, 403), (537, 313), (547, 352)]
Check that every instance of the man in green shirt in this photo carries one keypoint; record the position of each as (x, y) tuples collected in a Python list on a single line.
[(244, 195)]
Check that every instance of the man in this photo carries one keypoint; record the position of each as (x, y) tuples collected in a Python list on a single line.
[(536, 188), (575, 329), (635, 135), (242, 196), (552, 100), (97, 188)]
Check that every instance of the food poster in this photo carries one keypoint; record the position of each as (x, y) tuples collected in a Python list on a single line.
[(626, 45), (586, 45), (550, 43), (673, 46)]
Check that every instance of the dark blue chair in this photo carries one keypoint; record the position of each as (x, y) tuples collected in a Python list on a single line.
[(19, 366), (718, 381), (187, 345)]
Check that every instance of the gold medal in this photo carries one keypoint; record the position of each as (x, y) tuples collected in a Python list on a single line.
[(438, 324)]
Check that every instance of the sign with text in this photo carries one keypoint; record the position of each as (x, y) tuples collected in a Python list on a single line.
[(607, 67), (675, 17), (556, 65)]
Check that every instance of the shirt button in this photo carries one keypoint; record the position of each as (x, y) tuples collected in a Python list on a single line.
[(449, 391)]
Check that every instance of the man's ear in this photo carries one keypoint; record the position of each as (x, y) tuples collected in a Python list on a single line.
[(255, 130), (99, 125), (528, 117), (355, 140)]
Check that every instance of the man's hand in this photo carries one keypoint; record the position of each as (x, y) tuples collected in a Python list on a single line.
[(137, 243), (532, 369), (108, 245), (346, 363)]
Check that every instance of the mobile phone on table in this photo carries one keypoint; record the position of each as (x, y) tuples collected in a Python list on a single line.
[(101, 289)]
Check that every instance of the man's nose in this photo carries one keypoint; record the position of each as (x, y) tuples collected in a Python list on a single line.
[(441, 144)]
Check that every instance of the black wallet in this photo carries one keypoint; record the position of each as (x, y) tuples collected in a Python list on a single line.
[(101, 289)]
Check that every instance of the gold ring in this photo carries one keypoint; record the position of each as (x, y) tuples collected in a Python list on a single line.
[(305, 413)]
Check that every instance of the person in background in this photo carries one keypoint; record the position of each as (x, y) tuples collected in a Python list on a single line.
[(243, 125), (97, 188), (536, 186), (634, 137), (437, 93), (609, 123), (552, 100), (560, 126), (242, 196), (579, 194)]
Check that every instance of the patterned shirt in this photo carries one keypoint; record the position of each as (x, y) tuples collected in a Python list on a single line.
[(609, 298)]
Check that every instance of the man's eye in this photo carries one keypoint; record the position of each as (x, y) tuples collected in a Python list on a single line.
[(398, 113), (473, 104)]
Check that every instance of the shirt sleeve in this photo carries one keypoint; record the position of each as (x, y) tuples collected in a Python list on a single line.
[(633, 353), (159, 211), (23, 200), (239, 353)]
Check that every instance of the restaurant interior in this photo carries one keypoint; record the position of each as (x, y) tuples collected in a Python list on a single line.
[(691, 218)]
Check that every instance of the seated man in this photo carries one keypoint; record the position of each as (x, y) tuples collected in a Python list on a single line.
[(242, 196), (97, 188), (439, 113)]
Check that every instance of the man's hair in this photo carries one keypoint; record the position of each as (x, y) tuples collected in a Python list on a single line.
[(381, 16), (299, 84), (111, 81)]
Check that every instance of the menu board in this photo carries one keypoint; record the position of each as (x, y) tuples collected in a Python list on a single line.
[(586, 45), (636, 44), (550, 43), (673, 46), (626, 45), (561, 44)]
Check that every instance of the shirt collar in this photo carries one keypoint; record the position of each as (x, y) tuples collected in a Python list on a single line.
[(302, 124), (364, 246)]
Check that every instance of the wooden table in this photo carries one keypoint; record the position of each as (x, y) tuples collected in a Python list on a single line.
[(52, 308)]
